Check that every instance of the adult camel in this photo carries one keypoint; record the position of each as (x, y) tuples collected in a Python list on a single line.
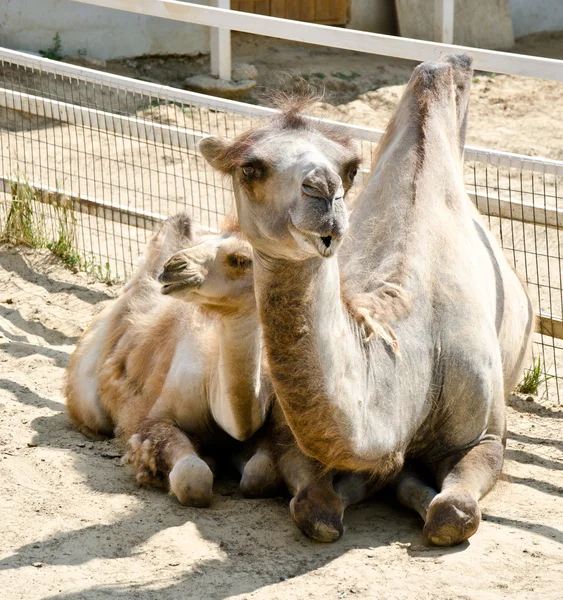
[(421, 403)]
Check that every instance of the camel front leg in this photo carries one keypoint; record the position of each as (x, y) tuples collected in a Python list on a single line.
[(463, 479), (164, 456), (413, 492), (260, 477)]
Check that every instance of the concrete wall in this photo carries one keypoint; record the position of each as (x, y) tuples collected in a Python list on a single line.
[(102, 32), (377, 16), (531, 16)]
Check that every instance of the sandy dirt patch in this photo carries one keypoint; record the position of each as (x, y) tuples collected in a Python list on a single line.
[(76, 526)]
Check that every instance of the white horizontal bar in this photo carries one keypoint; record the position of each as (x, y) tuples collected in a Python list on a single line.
[(84, 204), (102, 209), (522, 162), (347, 39), (131, 85), (518, 211), (97, 119), (550, 326), (161, 91), (185, 138), (506, 159)]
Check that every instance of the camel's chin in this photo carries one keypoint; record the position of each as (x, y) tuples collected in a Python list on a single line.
[(323, 245)]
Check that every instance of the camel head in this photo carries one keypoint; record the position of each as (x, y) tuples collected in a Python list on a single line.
[(215, 273), (290, 179)]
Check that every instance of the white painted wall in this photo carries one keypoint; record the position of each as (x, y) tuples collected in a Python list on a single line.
[(104, 33), (531, 16)]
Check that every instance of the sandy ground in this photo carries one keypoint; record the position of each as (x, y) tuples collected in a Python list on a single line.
[(76, 526)]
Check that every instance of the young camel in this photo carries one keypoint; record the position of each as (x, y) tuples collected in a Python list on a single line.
[(170, 381), (422, 404)]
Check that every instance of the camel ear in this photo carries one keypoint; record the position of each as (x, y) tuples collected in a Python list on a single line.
[(211, 148)]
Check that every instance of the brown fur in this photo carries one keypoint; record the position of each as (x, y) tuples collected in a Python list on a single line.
[(294, 364)]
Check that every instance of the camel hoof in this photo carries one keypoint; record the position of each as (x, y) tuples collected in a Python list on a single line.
[(452, 518), (318, 512), (191, 481), (260, 478)]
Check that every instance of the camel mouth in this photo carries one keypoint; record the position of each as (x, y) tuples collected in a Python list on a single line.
[(194, 281), (325, 245)]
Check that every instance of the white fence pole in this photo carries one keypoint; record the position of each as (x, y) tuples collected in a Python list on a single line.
[(444, 21), (221, 46)]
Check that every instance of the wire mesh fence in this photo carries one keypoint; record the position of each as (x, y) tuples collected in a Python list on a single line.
[(91, 162)]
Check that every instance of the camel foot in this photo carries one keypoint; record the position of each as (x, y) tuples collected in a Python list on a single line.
[(318, 511), (191, 481), (260, 478), (452, 518)]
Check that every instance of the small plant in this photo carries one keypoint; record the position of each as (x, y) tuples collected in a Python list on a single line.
[(82, 52), (55, 51), (318, 75), (19, 227), (346, 76), (64, 245), (533, 379), (25, 226)]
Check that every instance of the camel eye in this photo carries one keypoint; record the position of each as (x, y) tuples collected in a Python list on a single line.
[(352, 173), (248, 170)]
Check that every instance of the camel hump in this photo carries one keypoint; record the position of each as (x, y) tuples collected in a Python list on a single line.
[(437, 75), (433, 83), (462, 65), (177, 230), (431, 77)]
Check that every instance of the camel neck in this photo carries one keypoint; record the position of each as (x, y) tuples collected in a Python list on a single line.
[(238, 398), (315, 354)]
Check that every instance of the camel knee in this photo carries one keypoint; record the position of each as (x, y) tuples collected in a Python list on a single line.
[(88, 416), (191, 481)]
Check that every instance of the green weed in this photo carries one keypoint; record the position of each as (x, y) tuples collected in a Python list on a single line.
[(54, 52), (533, 379), (19, 227), (24, 226)]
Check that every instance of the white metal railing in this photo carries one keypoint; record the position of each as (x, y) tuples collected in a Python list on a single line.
[(347, 39), (493, 157), (147, 130)]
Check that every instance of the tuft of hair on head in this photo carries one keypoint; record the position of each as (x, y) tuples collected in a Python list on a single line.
[(293, 105), (227, 156)]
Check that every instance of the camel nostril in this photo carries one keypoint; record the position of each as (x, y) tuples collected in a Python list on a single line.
[(326, 240), (175, 265), (314, 191)]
